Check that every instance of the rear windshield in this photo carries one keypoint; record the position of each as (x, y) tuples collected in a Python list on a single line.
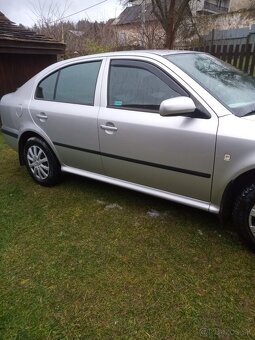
[(230, 86)]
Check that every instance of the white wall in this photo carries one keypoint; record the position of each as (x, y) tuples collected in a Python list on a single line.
[(235, 5), (225, 21)]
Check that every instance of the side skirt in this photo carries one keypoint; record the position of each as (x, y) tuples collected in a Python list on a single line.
[(192, 202)]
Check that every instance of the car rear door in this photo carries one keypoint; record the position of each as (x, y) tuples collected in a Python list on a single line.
[(173, 154), (66, 107)]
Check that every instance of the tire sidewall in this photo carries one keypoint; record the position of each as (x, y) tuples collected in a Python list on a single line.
[(54, 167), (241, 213)]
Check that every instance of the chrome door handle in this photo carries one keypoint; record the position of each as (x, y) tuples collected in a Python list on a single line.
[(108, 127), (42, 116)]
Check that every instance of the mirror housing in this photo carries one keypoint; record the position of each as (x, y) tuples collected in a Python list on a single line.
[(177, 106)]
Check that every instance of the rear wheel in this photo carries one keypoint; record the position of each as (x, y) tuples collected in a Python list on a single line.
[(244, 215), (41, 162)]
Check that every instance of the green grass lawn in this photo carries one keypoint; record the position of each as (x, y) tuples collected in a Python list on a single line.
[(75, 266)]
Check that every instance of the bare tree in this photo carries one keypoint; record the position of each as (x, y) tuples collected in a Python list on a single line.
[(83, 37), (48, 15), (152, 36), (171, 14), (252, 4), (174, 16)]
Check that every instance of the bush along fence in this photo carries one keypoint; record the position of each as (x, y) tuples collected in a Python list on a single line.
[(240, 56)]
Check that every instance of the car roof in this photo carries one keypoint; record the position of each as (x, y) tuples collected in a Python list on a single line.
[(141, 53), (158, 52)]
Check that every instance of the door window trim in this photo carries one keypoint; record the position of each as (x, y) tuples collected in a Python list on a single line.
[(150, 67), (57, 78)]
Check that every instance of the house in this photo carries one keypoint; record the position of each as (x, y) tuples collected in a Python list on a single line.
[(219, 6), (138, 27), (210, 6), (23, 53)]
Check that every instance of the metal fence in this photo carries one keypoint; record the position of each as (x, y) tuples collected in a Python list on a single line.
[(231, 36)]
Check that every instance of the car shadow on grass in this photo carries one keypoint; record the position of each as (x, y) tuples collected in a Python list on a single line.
[(145, 204)]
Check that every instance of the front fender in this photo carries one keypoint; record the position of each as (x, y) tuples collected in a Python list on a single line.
[(235, 153)]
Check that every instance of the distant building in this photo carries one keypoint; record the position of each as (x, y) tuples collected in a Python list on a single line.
[(219, 6), (138, 27), (211, 6), (23, 53)]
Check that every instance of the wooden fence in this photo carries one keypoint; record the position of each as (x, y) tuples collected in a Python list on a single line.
[(240, 56)]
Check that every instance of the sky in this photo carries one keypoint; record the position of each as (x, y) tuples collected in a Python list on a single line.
[(22, 11)]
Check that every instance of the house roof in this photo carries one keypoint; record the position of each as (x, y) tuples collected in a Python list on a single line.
[(133, 14), (17, 39)]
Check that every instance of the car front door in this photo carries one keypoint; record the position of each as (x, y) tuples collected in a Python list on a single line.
[(66, 107), (173, 154)]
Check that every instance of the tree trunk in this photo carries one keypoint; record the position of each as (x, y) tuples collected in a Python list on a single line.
[(171, 14), (170, 38), (170, 33)]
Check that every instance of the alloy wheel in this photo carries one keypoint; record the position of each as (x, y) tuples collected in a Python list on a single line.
[(38, 162)]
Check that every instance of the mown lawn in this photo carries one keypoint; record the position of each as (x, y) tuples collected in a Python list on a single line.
[(86, 260)]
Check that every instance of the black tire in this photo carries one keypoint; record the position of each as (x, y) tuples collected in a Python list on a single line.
[(47, 170), (242, 218)]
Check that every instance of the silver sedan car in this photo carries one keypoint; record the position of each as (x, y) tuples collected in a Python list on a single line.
[(177, 125)]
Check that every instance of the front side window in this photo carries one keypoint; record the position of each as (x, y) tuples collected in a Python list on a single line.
[(137, 87), (72, 84)]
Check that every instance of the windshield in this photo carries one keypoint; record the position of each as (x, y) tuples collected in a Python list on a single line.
[(230, 86)]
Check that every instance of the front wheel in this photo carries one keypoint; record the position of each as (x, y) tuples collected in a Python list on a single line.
[(41, 162), (244, 215)]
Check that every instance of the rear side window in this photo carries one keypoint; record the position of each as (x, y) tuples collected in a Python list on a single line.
[(45, 89), (139, 86), (77, 83), (73, 84)]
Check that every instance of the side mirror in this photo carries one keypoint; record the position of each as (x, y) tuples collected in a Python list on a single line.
[(177, 106)]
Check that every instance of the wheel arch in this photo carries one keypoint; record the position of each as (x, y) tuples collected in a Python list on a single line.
[(231, 192), (23, 139)]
